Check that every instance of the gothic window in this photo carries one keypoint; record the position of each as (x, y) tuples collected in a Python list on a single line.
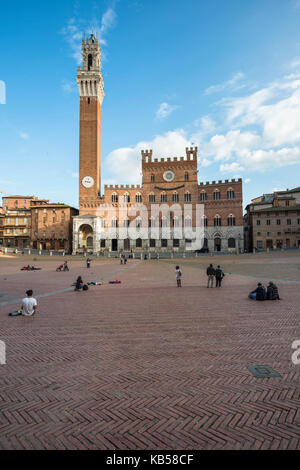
[(138, 243), (217, 221), (126, 198), (138, 222), (231, 243), (187, 197), (231, 220), (186, 176), (205, 222), (163, 197), (151, 197), (114, 198), (230, 193), (175, 222), (217, 195), (138, 197), (203, 196), (175, 197), (152, 178)]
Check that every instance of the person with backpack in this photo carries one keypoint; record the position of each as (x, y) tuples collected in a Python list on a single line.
[(219, 276), (259, 293), (178, 275), (272, 292), (210, 275)]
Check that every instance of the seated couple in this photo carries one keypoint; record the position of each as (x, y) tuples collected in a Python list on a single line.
[(261, 293)]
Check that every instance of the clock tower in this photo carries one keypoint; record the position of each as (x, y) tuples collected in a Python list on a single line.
[(91, 89)]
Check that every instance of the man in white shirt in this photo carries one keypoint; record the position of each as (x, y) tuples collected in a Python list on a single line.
[(29, 304)]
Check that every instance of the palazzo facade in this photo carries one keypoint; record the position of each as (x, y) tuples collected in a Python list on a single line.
[(104, 220)]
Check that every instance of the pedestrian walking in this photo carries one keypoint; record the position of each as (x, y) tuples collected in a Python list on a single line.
[(210, 275), (88, 263)]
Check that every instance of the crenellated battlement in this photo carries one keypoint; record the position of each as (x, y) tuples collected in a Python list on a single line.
[(122, 186), (191, 154), (215, 183)]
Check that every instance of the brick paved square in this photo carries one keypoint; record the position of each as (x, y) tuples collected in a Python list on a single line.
[(145, 365)]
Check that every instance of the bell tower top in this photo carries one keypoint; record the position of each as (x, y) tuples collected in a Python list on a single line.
[(89, 78)]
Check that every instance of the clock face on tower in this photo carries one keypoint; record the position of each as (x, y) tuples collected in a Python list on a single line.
[(87, 182), (168, 175)]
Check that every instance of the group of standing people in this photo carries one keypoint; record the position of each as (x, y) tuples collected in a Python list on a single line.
[(123, 259), (216, 274)]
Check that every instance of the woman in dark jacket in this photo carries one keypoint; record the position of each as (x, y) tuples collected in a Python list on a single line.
[(259, 293), (79, 283)]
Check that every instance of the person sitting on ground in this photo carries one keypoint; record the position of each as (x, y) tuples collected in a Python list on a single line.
[(272, 292), (79, 283), (29, 304), (210, 275), (259, 293), (178, 275), (219, 276)]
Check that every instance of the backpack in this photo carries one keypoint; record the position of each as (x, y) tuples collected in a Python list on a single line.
[(85, 287)]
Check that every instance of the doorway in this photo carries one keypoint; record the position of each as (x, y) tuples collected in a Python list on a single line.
[(114, 244), (217, 244)]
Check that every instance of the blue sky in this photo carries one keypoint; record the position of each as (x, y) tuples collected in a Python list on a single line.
[(224, 75)]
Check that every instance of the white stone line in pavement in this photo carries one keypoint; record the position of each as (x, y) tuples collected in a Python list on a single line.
[(67, 289)]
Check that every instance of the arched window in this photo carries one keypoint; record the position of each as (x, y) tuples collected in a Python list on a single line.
[(138, 243), (231, 220), (205, 222), (203, 196), (90, 61), (152, 178), (187, 221), (186, 176), (114, 222), (126, 198), (138, 222), (114, 198), (175, 222), (230, 193), (138, 197), (217, 221), (187, 197), (175, 197), (231, 243), (152, 222), (126, 221), (164, 221), (151, 197), (217, 195), (163, 197)]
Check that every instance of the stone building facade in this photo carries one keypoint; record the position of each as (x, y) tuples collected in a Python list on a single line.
[(272, 221), (52, 226), (103, 220), (29, 222)]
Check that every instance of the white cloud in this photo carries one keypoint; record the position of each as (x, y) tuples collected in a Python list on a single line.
[(75, 30), (165, 109), (231, 167), (124, 164), (24, 135), (295, 62), (229, 84), (247, 180)]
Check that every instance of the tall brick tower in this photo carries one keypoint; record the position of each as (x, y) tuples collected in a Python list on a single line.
[(91, 89)]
